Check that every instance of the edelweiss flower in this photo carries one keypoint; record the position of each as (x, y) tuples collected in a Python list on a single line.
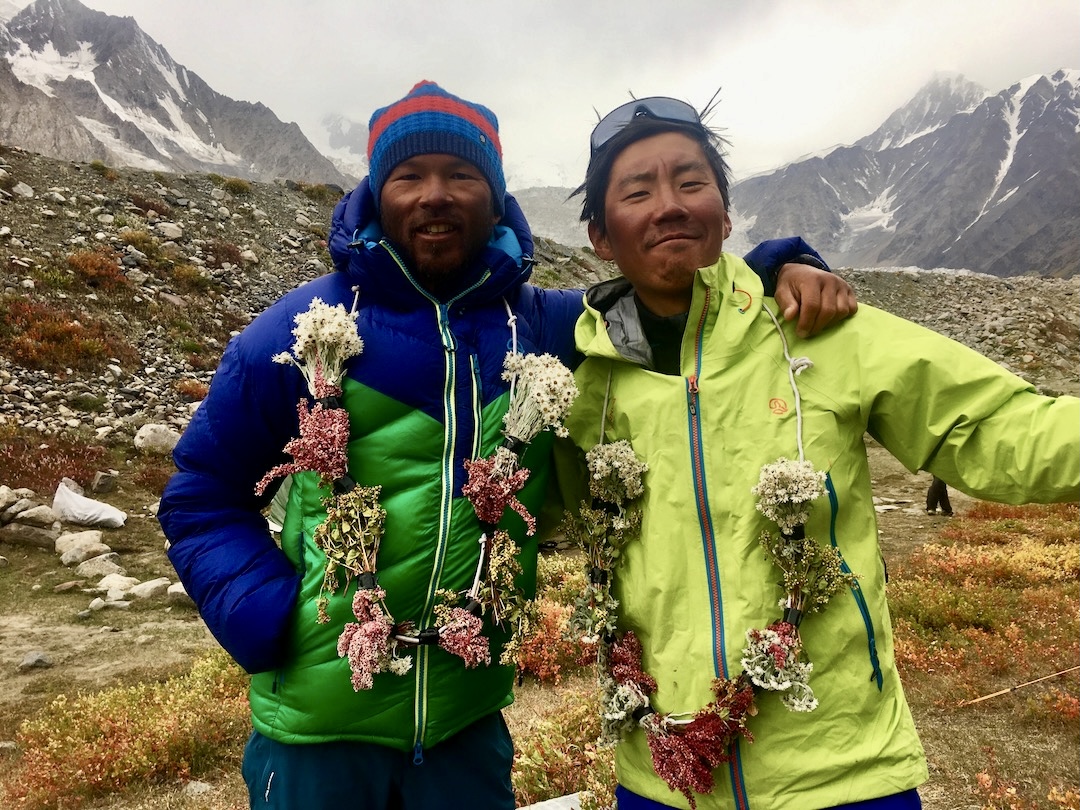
[(326, 338), (785, 490), (542, 391), (615, 473)]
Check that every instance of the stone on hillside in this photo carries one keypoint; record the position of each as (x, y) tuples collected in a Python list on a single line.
[(41, 516), (22, 190), (116, 582), (177, 595), (19, 534), (79, 554), (169, 230), (568, 802), (104, 482), (90, 537), (35, 659), (7, 497), (4, 562), (73, 485), (196, 788), (149, 589), (101, 566), (21, 505), (156, 439)]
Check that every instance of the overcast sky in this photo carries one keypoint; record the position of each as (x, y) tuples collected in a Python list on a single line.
[(796, 76)]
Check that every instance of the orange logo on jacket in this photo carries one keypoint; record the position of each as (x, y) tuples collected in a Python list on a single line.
[(778, 406)]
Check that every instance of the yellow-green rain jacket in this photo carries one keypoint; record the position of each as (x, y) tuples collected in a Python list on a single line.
[(697, 579)]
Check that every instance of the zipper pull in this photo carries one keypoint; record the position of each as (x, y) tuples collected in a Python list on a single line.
[(418, 754), (691, 394)]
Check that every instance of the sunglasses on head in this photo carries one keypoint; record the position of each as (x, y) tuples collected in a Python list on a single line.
[(659, 107)]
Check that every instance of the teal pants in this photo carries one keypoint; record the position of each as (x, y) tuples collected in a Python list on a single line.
[(471, 769)]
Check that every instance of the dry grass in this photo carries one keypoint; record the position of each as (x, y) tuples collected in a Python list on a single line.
[(1017, 751), (993, 605)]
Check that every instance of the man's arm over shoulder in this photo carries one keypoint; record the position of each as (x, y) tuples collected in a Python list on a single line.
[(804, 288), (553, 313)]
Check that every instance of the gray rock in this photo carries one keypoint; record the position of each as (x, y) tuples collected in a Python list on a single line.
[(170, 230), (97, 567), (196, 788), (20, 534), (80, 554), (149, 589), (156, 439), (41, 516), (35, 659), (178, 595), (117, 582), (66, 542), (104, 482), (20, 505), (569, 802)]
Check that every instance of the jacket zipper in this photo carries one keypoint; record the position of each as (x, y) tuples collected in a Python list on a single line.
[(450, 432), (856, 590), (708, 538)]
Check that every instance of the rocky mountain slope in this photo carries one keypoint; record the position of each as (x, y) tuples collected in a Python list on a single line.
[(82, 85), (958, 178), (196, 256)]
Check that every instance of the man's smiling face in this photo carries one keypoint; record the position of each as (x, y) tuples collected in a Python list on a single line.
[(664, 219), (437, 210)]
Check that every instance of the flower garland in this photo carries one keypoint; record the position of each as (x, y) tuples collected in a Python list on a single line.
[(541, 392), (687, 747)]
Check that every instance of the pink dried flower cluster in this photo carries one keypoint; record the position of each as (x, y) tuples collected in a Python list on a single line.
[(685, 754), (324, 434), (462, 636), (490, 492), (624, 663), (367, 642)]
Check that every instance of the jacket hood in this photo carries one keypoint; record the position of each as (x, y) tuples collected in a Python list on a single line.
[(358, 247)]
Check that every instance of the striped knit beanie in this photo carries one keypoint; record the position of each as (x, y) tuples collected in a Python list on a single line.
[(429, 120)]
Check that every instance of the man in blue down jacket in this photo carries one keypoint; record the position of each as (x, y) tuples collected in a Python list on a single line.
[(435, 257)]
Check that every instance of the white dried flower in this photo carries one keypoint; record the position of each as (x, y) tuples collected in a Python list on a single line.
[(326, 338), (615, 473), (544, 390), (785, 489), (402, 665)]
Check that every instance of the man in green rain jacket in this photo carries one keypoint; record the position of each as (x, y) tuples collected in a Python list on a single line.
[(685, 362)]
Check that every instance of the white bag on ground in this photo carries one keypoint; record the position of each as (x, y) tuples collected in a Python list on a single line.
[(71, 507)]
